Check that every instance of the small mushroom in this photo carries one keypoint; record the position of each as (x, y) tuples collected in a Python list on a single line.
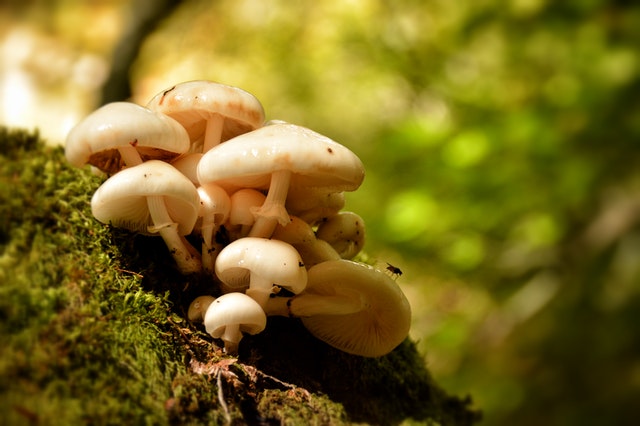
[(152, 197), (262, 265), (123, 134), (215, 205), (241, 218), (211, 112), (198, 307), (232, 314), (273, 158), (345, 232), (351, 306), (313, 204), (300, 235)]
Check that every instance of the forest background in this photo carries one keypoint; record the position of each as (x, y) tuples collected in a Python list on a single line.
[(500, 140)]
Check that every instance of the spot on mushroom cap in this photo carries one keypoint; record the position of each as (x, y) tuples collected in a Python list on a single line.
[(249, 160), (234, 309), (95, 139), (191, 103), (122, 199), (376, 330)]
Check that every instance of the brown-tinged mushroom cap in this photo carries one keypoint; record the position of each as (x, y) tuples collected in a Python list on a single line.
[(353, 307), (232, 314), (152, 197), (275, 157), (211, 112), (123, 134)]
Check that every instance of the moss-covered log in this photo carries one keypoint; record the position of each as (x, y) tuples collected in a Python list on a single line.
[(93, 329)]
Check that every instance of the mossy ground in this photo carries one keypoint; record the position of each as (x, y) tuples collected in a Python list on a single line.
[(93, 329)]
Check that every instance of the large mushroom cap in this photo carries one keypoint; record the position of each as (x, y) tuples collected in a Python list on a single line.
[(122, 199), (192, 103), (250, 159), (382, 322), (97, 138)]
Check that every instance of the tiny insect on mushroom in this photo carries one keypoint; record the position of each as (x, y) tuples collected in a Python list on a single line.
[(123, 134), (345, 232), (232, 314), (275, 157), (260, 266), (152, 197), (211, 112), (351, 306)]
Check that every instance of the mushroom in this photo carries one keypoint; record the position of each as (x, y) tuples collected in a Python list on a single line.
[(215, 205), (152, 197), (313, 204), (351, 306), (232, 314), (345, 232), (277, 156), (198, 307), (187, 164), (123, 134), (243, 201), (263, 266), (211, 112), (300, 235)]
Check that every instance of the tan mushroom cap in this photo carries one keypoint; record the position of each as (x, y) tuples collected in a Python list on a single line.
[(124, 125), (249, 160), (193, 103), (381, 315)]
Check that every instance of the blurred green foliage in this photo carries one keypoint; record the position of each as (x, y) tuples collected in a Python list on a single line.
[(501, 145)]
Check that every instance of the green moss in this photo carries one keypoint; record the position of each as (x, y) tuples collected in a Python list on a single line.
[(93, 329)]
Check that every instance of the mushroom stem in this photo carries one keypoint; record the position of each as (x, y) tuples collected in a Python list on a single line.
[(273, 210), (168, 230), (213, 132), (231, 338), (130, 156), (260, 290)]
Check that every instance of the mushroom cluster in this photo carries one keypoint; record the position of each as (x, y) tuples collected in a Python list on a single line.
[(265, 201)]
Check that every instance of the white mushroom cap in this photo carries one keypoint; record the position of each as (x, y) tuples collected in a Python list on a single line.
[(261, 264), (211, 112), (148, 198), (275, 157), (232, 314), (249, 160), (345, 232), (353, 307), (123, 133)]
